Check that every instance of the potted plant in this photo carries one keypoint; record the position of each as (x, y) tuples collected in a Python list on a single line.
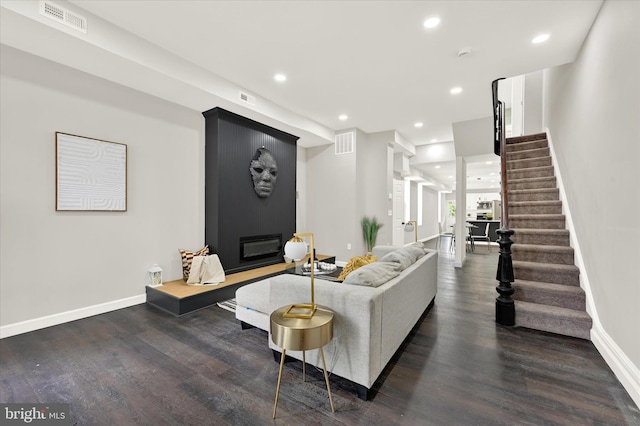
[(370, 227)]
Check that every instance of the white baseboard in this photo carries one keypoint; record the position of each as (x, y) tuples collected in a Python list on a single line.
[(62, 317), (627, 373)]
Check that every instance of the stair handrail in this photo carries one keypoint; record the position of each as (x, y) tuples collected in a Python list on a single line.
[(505, 306), (499, 146)]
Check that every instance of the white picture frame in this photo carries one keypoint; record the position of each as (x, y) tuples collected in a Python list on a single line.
[(91, 174)]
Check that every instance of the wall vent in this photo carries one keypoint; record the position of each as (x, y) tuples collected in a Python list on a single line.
[(245, 97), (345, 143), (63, 16)]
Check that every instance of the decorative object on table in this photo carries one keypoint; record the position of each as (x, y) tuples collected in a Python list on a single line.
[(355, 263), (155, 276), (296, 249), (91, 174), (370, 227), (187, 257), (411, 226), (264, 172), (206, 270), (321, 267)]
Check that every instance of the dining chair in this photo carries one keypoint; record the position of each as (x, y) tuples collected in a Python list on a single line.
[(443, 233), (484, 237)]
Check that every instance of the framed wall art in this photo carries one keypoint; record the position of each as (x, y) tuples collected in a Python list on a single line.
[(91, 174)]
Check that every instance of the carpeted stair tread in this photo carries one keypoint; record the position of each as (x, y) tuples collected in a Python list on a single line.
[(553, 254), (547, 272), (533, 183), (535, 203), (538, 221), (528, 153), (527, 163), (526, 146), (535, 207), (526, 138), (554, 237), (544, 194), (532, 172), (560, 295), (567, 322)]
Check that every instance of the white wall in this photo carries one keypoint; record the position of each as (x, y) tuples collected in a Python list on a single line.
[(331, 204), (533, 103), (375, 180), (461, 208), (591, 108), (429, 228), (473, 137), (53, 262)]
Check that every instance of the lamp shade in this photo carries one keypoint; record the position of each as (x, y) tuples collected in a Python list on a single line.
[(295, 248)]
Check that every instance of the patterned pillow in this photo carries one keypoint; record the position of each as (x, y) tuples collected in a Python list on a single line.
[(355, 263), (187, 258)]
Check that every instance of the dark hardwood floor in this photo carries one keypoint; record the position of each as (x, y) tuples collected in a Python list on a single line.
[(142, 366)]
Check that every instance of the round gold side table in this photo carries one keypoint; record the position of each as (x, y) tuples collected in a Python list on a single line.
[(302, 334)]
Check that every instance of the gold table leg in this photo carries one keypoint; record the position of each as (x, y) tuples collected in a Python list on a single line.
[(275, 405), (326, 379)]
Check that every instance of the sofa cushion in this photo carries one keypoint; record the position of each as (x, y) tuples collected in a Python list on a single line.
[(373, 275), (403, 257), (355, 263), (255, 296)]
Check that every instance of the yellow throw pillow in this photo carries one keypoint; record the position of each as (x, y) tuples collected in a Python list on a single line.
[(355, 263)]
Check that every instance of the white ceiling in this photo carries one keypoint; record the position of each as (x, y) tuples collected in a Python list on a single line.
[(371, 60)]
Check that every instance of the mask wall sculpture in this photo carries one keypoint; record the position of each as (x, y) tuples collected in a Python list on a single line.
[(264, 172)]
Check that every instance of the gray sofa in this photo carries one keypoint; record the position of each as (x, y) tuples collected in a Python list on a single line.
[(370, 322)]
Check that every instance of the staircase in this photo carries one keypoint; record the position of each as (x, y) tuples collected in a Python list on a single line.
[(547, 294)]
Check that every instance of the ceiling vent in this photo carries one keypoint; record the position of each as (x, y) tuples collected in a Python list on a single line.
[(345, 143), (63, 16), (245, 97)]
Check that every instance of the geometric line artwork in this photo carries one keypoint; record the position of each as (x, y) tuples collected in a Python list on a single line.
[(91, 174)]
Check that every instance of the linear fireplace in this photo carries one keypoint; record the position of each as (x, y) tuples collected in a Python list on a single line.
[(260, 247)]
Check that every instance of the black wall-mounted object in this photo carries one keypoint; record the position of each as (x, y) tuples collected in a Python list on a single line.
[(233, 211)]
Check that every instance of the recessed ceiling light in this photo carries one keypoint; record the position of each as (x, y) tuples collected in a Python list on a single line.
[(456, 90), (540, 38), (437, 167), (488, 162), (280, 77), (418, 124), (343, 117), (432, 22), (434, 140)]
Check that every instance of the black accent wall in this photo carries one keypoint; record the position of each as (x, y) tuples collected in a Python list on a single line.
[(232, 208)]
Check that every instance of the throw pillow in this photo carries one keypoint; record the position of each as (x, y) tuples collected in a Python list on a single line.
[(206, 270), (355, 263), (187, 258), (373, 274), (403, 257)]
